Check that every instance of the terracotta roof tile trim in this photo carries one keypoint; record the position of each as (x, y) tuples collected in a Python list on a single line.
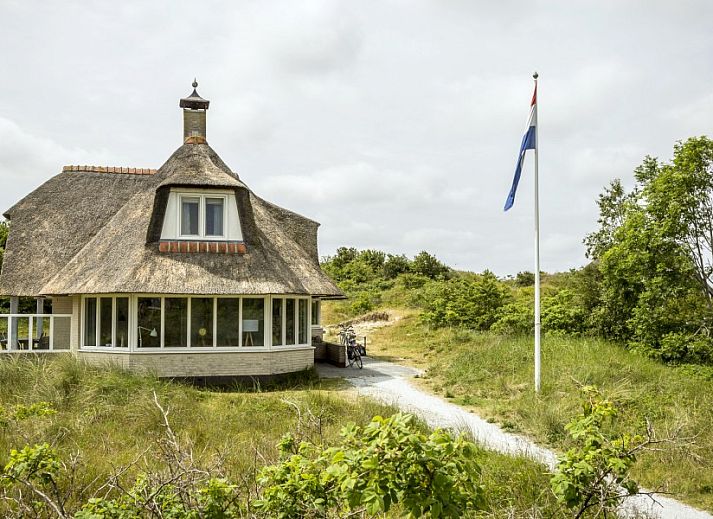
[(109, 169), (215, 247)]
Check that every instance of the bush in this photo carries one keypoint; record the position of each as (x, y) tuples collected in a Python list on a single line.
[(412, 281), (470, 303), (428, 265), (362, 303), (594, 474), (395, 265), (389, 462)]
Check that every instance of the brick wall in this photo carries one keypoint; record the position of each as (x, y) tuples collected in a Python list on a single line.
[(207, 364), (64, 327)]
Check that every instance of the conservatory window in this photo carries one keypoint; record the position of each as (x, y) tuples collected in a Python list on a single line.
[(90, 321), (315, 312), (277, 315), (175, 322), (122, 322), (201, 321), (105, 315), (228, 319), (253, 322), (289, 321), (303, 323), (106, 322), (149, 322)]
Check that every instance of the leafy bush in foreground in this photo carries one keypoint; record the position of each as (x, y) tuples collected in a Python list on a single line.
[(388, 462)]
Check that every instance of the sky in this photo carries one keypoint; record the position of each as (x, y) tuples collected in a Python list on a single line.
[(395, 124)]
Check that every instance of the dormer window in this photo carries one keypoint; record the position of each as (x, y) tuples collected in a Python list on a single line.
[(201, 214)]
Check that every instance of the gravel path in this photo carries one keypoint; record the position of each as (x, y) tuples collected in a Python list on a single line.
[(389, 383)]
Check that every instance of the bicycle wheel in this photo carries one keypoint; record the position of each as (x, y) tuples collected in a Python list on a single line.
[(350, 357), (357, 359)]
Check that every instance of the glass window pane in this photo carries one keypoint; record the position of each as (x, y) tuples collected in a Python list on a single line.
[(175, 318), (253, 321), (290, 321), (189, 216), (214, 217), (228, 333), (90, 321), (105, 313), (303, 321), (277, 322), (149, 322), (201, 322), (122, 322), (315, 312)]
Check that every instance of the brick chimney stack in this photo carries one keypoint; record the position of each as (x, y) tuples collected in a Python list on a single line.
[(194, 111)]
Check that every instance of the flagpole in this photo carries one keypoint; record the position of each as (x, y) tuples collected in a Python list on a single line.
[(537, 252)]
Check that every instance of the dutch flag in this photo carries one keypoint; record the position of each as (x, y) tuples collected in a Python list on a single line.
[(528, 143)]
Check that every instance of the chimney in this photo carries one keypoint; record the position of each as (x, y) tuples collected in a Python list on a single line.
[(194, 109)]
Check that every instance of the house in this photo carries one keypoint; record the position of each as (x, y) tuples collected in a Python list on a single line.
[(183, 270)]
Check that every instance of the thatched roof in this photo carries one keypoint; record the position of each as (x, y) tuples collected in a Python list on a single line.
[(97, 232)]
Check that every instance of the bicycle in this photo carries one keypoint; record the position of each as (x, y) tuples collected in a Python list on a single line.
[(354, 355)]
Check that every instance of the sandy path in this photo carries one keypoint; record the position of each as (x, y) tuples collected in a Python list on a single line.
[(389, 383)]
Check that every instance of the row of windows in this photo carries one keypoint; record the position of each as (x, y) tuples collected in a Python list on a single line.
[(197, 322)]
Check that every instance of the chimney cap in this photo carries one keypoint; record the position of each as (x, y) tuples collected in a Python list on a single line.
[(194, 101)]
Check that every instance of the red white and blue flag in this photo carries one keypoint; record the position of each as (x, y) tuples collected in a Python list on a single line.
[(528, 143)]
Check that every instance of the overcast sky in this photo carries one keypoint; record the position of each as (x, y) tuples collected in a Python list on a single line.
[(396, 124)]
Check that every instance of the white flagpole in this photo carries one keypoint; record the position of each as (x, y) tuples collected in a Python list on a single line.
[(537, 251)]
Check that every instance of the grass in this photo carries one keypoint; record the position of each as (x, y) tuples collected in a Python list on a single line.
[(493, 375), (108, 418)]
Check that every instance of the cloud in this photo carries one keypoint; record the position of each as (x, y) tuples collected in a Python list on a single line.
[(27, 160), (395, 124)]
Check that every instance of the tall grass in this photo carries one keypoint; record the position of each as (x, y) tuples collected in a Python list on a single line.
[(109, 419), (494, 375)]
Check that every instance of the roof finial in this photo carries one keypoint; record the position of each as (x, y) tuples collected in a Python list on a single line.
[(195, 83)]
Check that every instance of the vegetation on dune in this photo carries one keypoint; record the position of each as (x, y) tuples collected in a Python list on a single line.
[(635, 323), (102, 443), (649, 285)]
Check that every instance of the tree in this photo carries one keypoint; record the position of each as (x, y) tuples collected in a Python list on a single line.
[(395, 265), (525, 279), (654, 249), (428, 265), (613, 204)]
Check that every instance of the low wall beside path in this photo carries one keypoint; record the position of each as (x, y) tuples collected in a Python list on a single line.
[(335, 354)]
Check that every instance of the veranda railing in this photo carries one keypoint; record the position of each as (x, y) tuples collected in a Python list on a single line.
[(35, 332)]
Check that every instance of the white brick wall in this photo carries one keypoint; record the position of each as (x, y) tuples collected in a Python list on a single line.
[(207, 364)]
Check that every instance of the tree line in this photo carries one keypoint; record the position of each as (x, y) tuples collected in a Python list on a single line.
[(649, 283)]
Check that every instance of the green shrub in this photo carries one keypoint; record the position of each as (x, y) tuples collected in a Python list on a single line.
[(467, 302), (593, 474), (395, 265), (412, 281), (389, 462), (428, 265)]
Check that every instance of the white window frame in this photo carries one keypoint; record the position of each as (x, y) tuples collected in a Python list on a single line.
[(296, 318), (97, 323), (133, 340), (201, 216)]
